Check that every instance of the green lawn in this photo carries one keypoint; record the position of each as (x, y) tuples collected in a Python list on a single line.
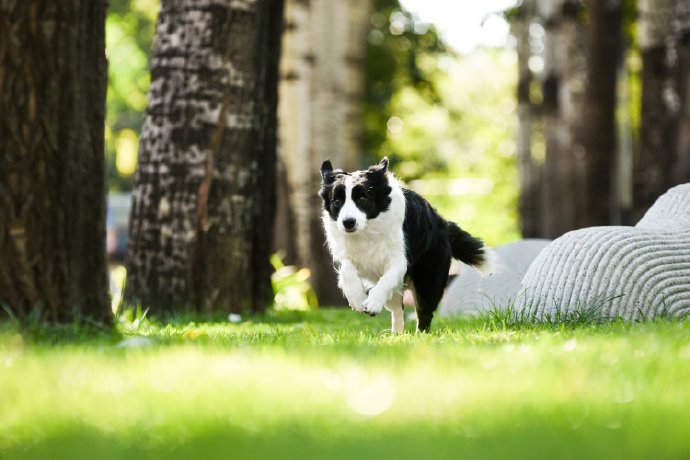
[(333, 384)]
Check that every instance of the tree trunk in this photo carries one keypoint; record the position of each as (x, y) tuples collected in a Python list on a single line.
[(599, 128), (204, 195), (52, 183), (320, 116), (682, 39), (284, 225), (530, 193), (664, 157), (558, 207), (294, 129), (660, 105), (625, 154), (574, 30)]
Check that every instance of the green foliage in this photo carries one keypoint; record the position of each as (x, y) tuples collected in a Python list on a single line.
[(130, 26), (132, 320), (446, 121), (331, 384), (473, 134), (291, 287), (400, 54)]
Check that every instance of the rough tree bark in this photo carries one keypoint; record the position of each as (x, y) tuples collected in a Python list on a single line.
[(202, 214), (320, 116), (598, 114), (52, 182)]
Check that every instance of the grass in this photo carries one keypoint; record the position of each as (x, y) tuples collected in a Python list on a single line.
[(332, 384)]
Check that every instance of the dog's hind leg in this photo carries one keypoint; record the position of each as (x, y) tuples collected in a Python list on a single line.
[(395, 306), (428, 289)]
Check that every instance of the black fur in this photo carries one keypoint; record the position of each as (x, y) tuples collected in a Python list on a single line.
[(431, 243), (464, 246)]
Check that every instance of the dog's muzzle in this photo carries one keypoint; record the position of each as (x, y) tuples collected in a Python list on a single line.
[(349, 225)]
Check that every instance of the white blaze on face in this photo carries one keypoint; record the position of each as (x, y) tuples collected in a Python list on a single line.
[(350, 210)]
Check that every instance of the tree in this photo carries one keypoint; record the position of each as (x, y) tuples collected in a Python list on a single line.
[(682, 39), (322, 78), (554, 31), (530, 173), (561, 105), (52, 182), (664, 156), (203, 202), (598, 113), (585, 177), (653, 166)]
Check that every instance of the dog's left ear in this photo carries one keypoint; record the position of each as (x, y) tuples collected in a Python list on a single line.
[(380, 168), (327, 172)]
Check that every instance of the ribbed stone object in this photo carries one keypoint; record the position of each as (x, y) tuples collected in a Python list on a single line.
[(635, 273), (472, 293)]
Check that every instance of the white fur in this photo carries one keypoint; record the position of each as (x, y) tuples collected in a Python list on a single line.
[(372, 255), (490, 263), (351, 285), (394, 306)]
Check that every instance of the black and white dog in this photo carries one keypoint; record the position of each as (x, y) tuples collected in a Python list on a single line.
[(383, 238)]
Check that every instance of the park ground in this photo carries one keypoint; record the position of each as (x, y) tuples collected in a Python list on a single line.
[(334, 384)]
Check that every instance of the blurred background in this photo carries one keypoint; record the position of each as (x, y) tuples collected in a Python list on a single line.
[(514, 118), (517, 119)]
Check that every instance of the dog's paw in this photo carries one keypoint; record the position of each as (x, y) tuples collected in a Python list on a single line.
[(373, 305), (356, 307), (356, 301), (355, 295)]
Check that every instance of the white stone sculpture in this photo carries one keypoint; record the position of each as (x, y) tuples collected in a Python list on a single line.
[(631, 272), (471, 292)]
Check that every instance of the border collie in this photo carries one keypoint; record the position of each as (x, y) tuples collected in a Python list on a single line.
[(383, 238)]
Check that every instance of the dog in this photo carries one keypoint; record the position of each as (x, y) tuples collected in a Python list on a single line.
[(383, 238)]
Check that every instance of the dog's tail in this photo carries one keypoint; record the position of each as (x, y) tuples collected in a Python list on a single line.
[(469, 249)]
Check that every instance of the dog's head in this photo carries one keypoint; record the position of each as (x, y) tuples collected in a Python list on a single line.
[(353, 199)]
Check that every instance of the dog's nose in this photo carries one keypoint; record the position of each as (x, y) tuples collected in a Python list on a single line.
[(349, 224)]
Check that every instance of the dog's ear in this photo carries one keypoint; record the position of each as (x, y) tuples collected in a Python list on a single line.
[(383, 164), (381, 168), (327, 179), (327, 172)]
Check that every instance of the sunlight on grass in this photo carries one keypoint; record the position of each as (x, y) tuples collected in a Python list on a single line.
[(333, 383)]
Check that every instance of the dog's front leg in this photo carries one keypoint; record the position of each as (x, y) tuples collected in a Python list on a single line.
[(351, 285), (391, 281)]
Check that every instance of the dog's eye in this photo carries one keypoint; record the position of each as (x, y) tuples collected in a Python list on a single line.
[(362, 199), (336, 203)]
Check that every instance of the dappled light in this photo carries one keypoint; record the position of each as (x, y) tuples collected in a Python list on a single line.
[(126, 152)]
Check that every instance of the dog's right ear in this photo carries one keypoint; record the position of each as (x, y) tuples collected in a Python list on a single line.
[(327, 172)]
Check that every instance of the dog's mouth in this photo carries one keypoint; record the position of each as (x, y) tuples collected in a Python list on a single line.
[(350, 230)]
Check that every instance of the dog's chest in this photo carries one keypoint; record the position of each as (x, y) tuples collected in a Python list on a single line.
[(372, 254)]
